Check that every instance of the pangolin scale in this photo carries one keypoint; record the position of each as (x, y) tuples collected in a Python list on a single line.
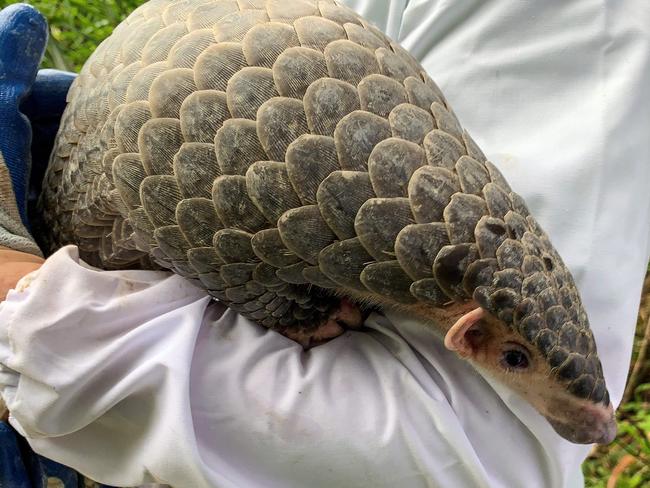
[(283, 153)]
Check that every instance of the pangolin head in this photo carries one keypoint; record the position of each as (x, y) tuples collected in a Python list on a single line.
[(520, 319)]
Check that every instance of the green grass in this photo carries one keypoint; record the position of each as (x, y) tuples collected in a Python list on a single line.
[(626, 462), (630, 453), (78, 26)]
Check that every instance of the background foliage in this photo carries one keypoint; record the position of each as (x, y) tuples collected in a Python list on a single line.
[(626, 462), (78, 26)]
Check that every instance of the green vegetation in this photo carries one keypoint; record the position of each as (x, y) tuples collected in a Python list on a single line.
[(78, 26), (626, 462)]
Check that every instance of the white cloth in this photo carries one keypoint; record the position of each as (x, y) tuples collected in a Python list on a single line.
[(134, 376)]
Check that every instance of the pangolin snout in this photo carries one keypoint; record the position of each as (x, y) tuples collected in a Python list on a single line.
[(591, 424)]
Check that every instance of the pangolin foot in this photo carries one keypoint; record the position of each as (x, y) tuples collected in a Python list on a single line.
[(346, 316)]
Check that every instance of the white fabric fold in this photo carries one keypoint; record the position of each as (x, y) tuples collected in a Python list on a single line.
[(180, 392)]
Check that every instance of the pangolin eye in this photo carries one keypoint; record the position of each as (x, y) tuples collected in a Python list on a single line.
[(514, 357)]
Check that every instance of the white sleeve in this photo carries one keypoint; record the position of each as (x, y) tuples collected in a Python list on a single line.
[(133, 376)]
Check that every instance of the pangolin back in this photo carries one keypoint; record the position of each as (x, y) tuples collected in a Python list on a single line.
[(275, 150)]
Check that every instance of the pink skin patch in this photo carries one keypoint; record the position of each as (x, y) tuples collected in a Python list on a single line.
[(455, 339)]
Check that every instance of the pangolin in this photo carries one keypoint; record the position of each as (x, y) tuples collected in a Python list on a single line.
[(299, 165)]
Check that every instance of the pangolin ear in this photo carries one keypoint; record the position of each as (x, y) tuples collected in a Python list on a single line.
[(462, 336)]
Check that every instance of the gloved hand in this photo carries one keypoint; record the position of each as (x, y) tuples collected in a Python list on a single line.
[(30, 102)]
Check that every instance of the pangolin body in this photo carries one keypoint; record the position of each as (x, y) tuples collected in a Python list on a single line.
[(282, 153)]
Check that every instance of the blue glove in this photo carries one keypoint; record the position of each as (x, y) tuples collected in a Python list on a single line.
[(29, 101), (44, 107), (23, 36), (20, 467)]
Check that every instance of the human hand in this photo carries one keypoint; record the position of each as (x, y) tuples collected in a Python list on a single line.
[(14, 266), (31, 103)]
